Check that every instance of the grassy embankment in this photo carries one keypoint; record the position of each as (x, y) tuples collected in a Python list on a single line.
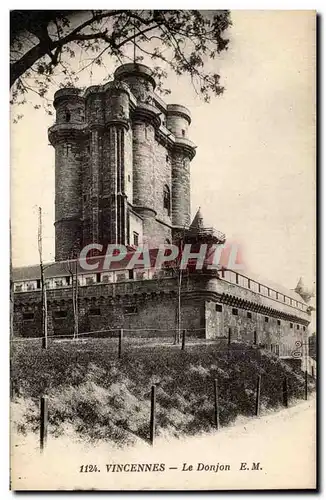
[(101, 397)]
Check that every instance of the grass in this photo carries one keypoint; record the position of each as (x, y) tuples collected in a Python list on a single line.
[(101, 397)]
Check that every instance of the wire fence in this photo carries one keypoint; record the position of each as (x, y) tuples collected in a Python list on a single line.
[(114, 332), (170, 336), (127, 339), (122, 345), (154, 399)]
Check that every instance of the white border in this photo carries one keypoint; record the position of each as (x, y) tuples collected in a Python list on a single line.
[(4, 185)]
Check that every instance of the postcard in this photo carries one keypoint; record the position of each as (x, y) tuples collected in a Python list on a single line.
[(163, 248)]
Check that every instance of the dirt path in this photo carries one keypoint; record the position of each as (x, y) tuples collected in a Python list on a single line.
[(282, 442)]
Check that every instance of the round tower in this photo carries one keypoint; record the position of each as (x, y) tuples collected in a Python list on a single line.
[(67, 137), (145, 120), (178, 121), (92, 166), (117, 161), (139, 79)]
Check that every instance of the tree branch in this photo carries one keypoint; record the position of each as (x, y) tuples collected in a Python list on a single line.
[(18, 68), (45, 48), (189, 36)]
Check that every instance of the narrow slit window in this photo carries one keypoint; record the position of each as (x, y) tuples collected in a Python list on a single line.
[(95, 311), (167, 199), (60, 314), (130, 310), (28, 316)]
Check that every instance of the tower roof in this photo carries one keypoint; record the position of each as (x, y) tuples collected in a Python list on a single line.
[(303, 291), (199, 230), (300, 286), (198, 221)]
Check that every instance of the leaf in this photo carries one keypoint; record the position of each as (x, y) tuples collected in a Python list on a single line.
[(183, 41)]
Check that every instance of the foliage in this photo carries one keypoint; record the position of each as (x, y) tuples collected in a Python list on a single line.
[(45, 43)]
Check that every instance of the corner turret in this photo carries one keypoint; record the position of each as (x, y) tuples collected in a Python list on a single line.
[(199, 232), (303, 291)]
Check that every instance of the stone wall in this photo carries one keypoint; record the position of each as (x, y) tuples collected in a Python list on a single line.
[(162, 177), (143, 158), (180, 189), (149, 308), (118, 146), (224, 321), (68, 197), (128, 162)]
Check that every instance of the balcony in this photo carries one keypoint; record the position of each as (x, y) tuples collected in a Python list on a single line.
[(207, 233)]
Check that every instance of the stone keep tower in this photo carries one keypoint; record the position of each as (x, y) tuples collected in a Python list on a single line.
[(122, 164)]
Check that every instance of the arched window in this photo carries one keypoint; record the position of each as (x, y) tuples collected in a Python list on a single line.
[(167, 199)]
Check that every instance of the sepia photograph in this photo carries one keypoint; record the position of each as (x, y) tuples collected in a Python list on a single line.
[(163, 296)]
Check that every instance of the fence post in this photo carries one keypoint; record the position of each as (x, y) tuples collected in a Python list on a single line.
[(153, 413), (258, 395), (120, 343), (306, 385), (285, 392), (216, 407), (183, 344), (43, 422), (229, 343)]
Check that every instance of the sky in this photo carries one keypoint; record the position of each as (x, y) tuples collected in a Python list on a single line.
[(254, 172)]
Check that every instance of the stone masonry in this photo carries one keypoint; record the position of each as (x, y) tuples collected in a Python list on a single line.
[(121, 162), (122, 175)]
